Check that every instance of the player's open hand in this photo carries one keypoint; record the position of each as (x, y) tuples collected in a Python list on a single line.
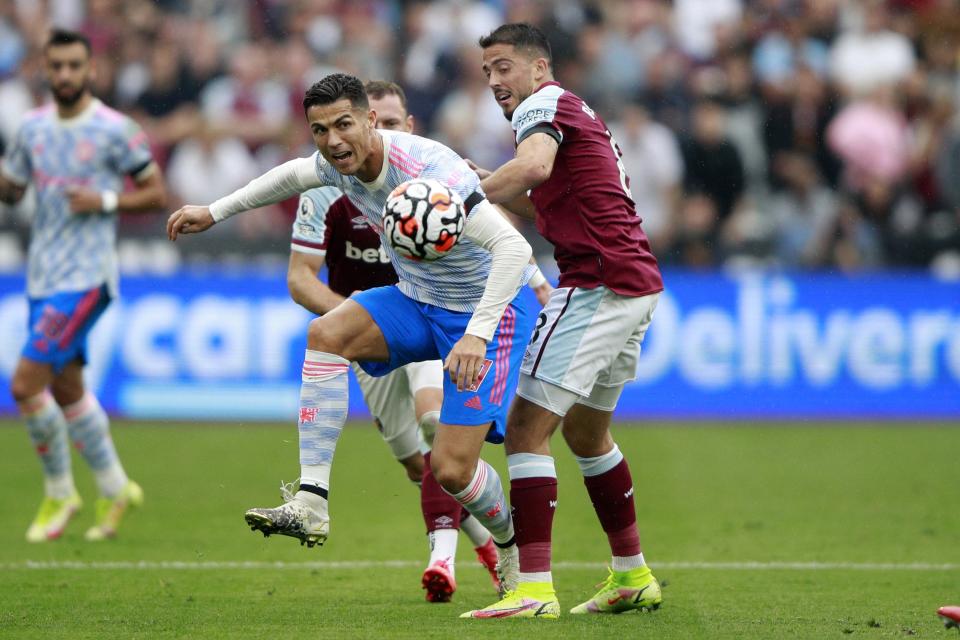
[(83, 200), (465, 361), (481, 172), (188, 219)]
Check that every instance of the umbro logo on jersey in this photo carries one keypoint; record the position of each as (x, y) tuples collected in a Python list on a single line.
[(628, 493), (444, 521), (361, 222), (473, 403)]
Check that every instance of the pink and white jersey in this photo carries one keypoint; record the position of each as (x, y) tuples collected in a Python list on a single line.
[(95, 150), (454, 282), (585, 208)]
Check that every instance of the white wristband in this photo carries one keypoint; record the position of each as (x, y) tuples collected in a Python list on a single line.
[(537, 279), (109, 201)]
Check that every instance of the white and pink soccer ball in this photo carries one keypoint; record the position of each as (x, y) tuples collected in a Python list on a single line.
[(423, 219)]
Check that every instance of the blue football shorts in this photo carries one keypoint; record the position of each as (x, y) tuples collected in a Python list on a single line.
[(416, 331), (59, 325)]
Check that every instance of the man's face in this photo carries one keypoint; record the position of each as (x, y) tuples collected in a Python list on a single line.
[(511, 75), (391, 114), (68, 72), (342, 133)]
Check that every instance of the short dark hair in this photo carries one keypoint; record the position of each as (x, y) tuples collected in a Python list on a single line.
[(378, 88), (522, 36), (62, 37), (333, 87)]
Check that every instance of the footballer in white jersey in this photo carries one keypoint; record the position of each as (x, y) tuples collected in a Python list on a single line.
[(468, 308), (329, 231), (77, 153)]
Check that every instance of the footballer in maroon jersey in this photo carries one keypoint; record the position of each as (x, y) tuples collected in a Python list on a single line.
[(567, 175)]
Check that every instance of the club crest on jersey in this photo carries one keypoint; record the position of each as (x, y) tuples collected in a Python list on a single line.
[(84, 151), (308, 414), (484, 368)]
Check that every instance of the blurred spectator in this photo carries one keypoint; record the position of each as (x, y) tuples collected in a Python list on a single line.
[(870, 137), (803, 215), (795, 116), (871, 56), (712, 164), (208, 165), (247, 102), (651, 157)]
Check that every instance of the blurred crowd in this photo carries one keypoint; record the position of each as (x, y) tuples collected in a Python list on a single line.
[(794, 134)]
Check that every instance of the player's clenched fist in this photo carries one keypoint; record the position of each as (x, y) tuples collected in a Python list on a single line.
[(189, 219)]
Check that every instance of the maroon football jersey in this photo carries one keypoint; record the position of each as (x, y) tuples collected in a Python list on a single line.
[(331, 226), (584, 208)]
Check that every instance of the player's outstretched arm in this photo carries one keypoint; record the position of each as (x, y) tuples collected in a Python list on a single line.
[(531, 167), (305, 288), (280, 183)]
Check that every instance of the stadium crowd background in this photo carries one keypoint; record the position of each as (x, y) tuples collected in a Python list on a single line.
[(794, 134)]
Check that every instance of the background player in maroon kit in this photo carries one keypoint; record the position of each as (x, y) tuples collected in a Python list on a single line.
[(330, 230), (588, 337)]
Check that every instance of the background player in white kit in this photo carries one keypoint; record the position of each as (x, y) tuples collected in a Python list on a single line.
[(467, 308), (405, 402), (76, 152)]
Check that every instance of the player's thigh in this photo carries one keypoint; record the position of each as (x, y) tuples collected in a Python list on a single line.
[(348, 331), (30, 378), (580, 333), (404, 332), (389, 401), (610, 381)]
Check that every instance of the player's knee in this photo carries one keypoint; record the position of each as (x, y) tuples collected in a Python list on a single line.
[(23, 389), (453, 475), (323, 336)]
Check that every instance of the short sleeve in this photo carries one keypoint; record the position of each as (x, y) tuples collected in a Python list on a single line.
[(310, 226), (538, 114), (133, 154)]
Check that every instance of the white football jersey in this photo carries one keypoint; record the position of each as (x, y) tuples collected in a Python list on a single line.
[(95, 150), (456, 281)]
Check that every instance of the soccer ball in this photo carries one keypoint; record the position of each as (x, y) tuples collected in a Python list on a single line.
[(423, 219)]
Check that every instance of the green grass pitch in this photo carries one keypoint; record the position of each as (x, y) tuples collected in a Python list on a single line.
[(758, 531)]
